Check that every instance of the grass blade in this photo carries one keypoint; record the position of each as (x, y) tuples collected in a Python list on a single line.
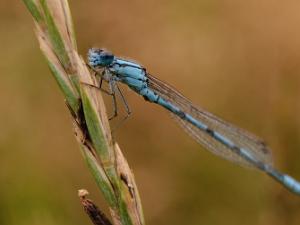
[(55, 32)]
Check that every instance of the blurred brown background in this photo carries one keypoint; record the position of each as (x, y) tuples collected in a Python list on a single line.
[(238, 59)]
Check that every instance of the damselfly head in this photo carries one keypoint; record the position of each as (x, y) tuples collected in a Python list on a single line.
[(99, 58)]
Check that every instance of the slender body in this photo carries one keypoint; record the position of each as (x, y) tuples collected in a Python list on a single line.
[(218, 136)]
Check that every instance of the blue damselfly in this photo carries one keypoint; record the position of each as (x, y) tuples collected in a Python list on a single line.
[(215, 134)]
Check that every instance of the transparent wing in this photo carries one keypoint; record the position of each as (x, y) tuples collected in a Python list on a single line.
[(241, 138)]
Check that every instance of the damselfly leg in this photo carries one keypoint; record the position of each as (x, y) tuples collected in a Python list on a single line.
[(114, 88), (113, 91)]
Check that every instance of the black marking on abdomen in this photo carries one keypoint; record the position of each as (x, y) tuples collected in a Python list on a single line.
[(181, 114), (236, 149), (210, 132)]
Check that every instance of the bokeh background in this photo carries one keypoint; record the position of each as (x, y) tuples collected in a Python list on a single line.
[(238, 59)]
